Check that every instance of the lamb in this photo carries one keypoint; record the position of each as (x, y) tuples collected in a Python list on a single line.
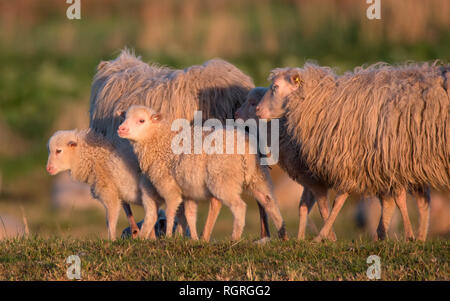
[(197, 176), (381, 130), (113, 177), (217, 88)]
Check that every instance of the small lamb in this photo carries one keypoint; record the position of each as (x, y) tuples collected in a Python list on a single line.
[(114, 179), (197, 177)]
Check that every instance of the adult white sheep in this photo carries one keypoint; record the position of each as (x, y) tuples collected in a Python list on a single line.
[(198, 176), (379, 130)]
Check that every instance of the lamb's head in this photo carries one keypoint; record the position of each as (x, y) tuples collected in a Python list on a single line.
[(248, 109), (62, 148), (284, 82), (140, 122)]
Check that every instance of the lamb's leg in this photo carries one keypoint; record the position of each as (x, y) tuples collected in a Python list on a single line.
[(190, 211), (306, 203), (171, 210), (265, 231), (400, 199), (150, 218), (151, 201), (214, 209), (271, 207), (182, 225), (387, 210), (112, 216), (423, 204), (238, 209), (133, 226), (338, 203)]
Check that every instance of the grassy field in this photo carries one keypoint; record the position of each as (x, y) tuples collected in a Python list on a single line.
[(179, 259)]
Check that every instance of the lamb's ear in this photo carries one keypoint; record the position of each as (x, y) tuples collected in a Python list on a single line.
[(156, 117), (296, 80), (72, 143)]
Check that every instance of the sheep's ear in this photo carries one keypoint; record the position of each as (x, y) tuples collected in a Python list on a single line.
[(156, 117), (296, 80), (72, 144), (101, 65), (121, 113)]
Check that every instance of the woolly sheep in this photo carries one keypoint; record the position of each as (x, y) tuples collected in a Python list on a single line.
[(217, 88), (196, 176), (379, 130), (113, 178), (307, 200)]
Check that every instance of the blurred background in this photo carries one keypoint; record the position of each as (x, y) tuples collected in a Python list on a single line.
[(47, 63)]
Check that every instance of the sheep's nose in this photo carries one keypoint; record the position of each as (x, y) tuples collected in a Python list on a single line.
[(236, 115), (49, 168), (258, 108)]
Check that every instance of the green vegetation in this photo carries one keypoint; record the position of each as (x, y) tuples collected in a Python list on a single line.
[(179, 259)]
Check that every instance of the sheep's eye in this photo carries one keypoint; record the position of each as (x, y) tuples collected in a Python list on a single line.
[(58, 151), (274, 88), (141, 120)]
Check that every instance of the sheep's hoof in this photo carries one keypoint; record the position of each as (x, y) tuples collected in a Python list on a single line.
[(262, 241), (135, 233), (318, 239)]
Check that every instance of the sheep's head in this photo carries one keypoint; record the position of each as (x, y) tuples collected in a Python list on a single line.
[(248, 108), (140, 122), (284, 82), (61, 151)]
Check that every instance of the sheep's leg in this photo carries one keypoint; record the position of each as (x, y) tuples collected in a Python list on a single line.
[(214, 209), (338, 203), (150, 218), (265, 231), (112, 216), (273, 211), (322, 202), (190, 211), (387, 210), (423, 203), (171, 211), (133, 226), (238, 209), (400, 200), (181, 228), (306, 203)]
